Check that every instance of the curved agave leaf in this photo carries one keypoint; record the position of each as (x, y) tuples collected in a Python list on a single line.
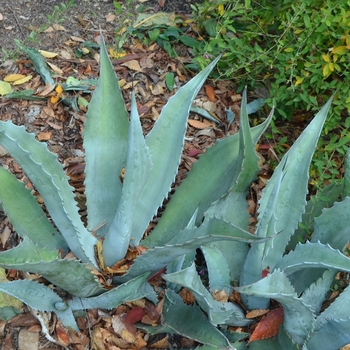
[(218, 312), (299, 320), (232, 206), (165, 143), (332, 227), (290, 202), (333, 335), (138, 171), (40, 298), (218, 270), (208, 180), (315, 295), (70, 275), (347, 173), (16, 199), (132, 290), (47, 175), (339, 309), (190, 322), (105, 144), (313, 255), (281, 341), (184, 243)]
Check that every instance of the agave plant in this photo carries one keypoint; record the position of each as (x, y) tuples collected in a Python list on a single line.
[(118, 211), (208, 210)]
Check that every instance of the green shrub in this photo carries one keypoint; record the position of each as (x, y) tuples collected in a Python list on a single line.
[(294, 51)]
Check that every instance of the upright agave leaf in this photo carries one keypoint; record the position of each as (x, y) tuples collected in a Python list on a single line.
[(105, 144), (48, 177), (209, 179), (289, 202)]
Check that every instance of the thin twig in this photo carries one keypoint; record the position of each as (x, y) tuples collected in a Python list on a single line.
[(18, 24)]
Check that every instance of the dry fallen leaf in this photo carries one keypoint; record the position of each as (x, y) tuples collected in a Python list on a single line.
[(59, 27), (199, 125), (23, 80), (209, 90), (110, 17), (1, 17), (48, 54), (133, 65), (55, 68), (256, 313), (13, 77), (44, 135), (268, 326)]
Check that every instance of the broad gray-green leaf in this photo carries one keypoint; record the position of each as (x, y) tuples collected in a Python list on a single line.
[(315, 295), (209, 179), (16, 199), (253, 265), (232, 206), (129, 291), (313, 255), (332, 226), (184, 243), (290, 203), (218, 312), (218, 270), (339, 309), (281, 341), (105, 144), (324, 198), (333, 335), (190, 322), (165, 143), (298, 318), (40, 298), (138, 170), (70, 275), (47, 175)]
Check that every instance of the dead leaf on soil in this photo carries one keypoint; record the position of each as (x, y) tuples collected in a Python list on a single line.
[(268, 326), (200, 125), (110, 17), (209, 90), (133, 65), (256, 313)]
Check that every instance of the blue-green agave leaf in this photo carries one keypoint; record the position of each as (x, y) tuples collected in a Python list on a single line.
[(253, 265), (47, 175), (232, 206), (339, 309), (16, 200), (313, 255), (190, 322), (332, 227), (209, 179), (291, 199), (218, 312), (40, 298), (184, 243), (324, 198), (281, 341), (315, 295), (165, 143), (105, 144), (138, 170), (333, 335), (299, 319), (218, 270), (70, 275), (128, 291)]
